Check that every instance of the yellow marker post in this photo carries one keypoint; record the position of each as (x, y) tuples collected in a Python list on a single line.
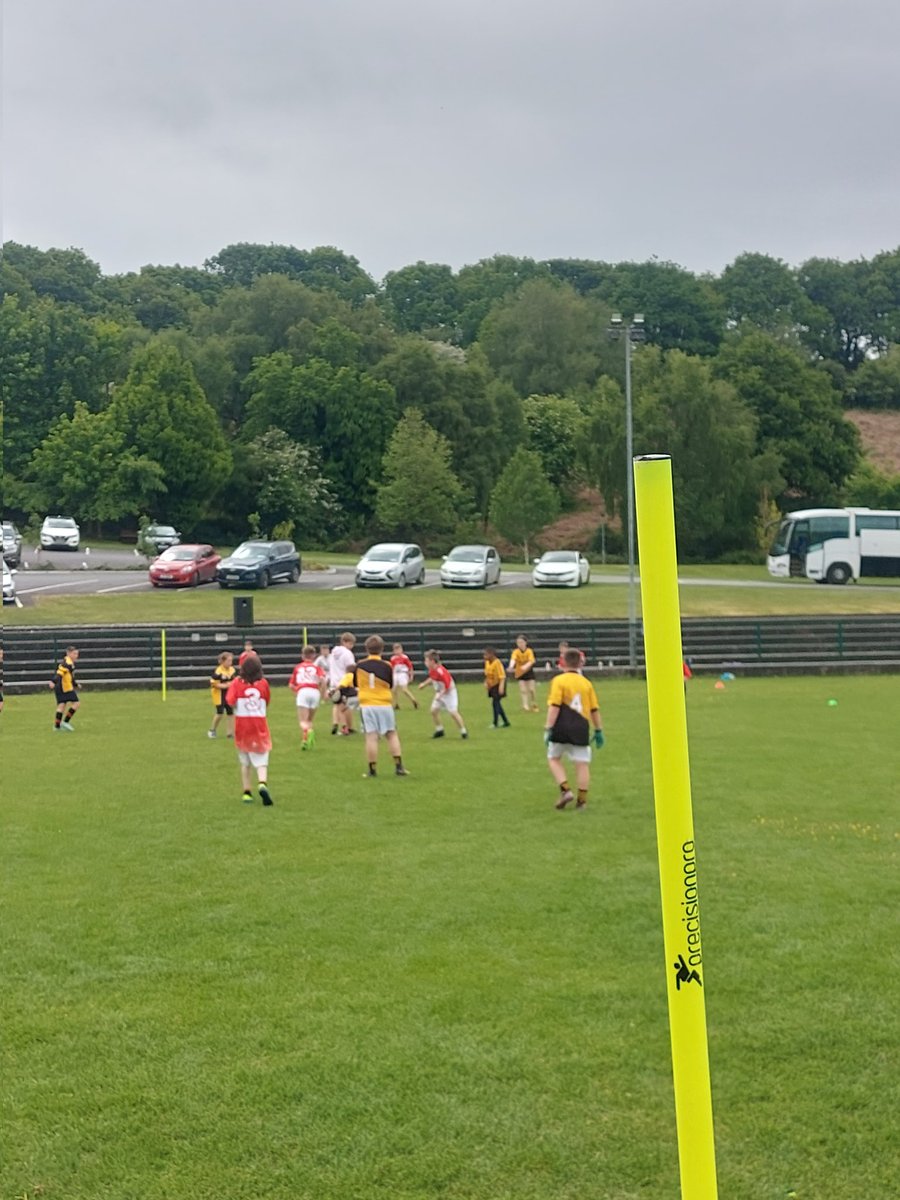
[(304, 636), (675, 826), (162, 651)]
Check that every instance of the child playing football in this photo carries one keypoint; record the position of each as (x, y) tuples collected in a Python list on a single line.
[(307, 681), (572, 709), (521, 663), (495, 682), (249, 696), (445, 696), (403, 675), (219, 683)]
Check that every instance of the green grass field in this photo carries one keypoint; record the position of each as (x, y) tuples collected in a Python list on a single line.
[(439, 986), (718, 598)]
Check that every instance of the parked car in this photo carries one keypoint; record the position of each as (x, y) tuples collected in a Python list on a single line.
[(12, 544), (161, 536), (391, 564), (561, 568), (9, 584), (470, 566), (257, 564), (60, 533), (184, 566)]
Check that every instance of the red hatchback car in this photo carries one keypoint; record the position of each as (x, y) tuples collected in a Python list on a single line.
[(184, 566)]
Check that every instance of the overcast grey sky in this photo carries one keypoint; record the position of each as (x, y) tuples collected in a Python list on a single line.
[(163, 130)]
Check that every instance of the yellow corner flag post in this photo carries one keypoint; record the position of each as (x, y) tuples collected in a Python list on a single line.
[(304, 635), (674, 826), (162, 651)]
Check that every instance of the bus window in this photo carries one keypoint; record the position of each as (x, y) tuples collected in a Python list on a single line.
[(875, 521), (823, 528)]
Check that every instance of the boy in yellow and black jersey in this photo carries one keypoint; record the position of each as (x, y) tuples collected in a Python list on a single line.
[(219, 683), (374, 680), (495, 682), (65, 687), (573, 712)]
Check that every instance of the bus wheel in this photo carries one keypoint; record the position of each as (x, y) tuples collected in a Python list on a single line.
[(839, 573)]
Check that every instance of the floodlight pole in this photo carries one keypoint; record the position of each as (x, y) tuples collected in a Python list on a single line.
[(633, 331)]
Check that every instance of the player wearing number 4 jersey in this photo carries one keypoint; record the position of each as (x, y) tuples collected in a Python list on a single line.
[(307, 681), (572, 711), (374, 680)]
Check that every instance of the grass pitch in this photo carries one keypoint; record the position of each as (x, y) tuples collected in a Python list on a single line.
[(438, 986)]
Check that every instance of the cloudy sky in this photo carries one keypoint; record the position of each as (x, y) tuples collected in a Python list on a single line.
[(162, 130)]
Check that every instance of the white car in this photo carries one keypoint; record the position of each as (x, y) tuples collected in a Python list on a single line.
[(391, 564), (9, 585), (470, 566), (60, 533), (561, 568)]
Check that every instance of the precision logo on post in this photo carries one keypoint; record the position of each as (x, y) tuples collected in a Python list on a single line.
[(691, 917)]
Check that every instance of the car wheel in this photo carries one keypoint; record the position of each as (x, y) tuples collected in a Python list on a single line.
[(401, 582), (222, 585), (421, 578), (153, 583), (195, 579), (264, 580), (295, 575)]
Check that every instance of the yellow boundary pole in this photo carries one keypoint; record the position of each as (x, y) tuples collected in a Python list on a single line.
[(674, 826), (162, 648)]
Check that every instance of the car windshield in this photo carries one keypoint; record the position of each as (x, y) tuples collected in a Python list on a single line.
[(177, 554), (162, 530), (250, 550), (385, 553), (60, 523), (469, 554), (560, 556)]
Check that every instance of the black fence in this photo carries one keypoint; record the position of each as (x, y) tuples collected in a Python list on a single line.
[(132, 656)]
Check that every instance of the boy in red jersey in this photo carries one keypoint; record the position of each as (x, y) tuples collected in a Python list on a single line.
[(307, 682), (403, 674), (249, 696), (445, 697)]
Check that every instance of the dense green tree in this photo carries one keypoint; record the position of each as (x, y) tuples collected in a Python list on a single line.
[(423, 298), (164, 417), (681, 311), (420, 497), (763, 291), (798, 413), (322, 268), (544, 339), (876, 383), (554, 431), (289, 488), (482, 284), (68, 276), (523, 500), (847, 322), (873, 488), (163, 297)]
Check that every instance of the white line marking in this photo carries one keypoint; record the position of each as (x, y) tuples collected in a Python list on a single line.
[(123, 587), (342, 587), (50, 586)]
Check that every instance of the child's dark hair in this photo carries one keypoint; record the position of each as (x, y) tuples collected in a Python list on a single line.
[(433, 655)]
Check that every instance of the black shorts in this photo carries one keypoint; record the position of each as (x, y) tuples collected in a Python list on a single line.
[(526, 676), (66, 697), (224, 709), (497, 692)]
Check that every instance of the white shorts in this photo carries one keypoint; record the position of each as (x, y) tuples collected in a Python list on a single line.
[(377, 718), (253, 758), (401, 677), (446, 701), (575, 753), (308, 697)]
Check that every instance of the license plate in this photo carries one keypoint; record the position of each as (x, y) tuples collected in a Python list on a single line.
[(232, 578)]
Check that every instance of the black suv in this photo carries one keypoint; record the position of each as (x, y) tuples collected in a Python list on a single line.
[(257, 564)]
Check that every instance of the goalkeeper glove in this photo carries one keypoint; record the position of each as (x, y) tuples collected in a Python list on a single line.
[(599, 739), (548, 736)]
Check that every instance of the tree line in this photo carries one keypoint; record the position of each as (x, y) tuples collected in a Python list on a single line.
[(285, 391)]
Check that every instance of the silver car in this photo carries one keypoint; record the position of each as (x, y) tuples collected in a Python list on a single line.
[(471, 567), (60, 533), (391, 564), (561, 568), (12, 544)]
